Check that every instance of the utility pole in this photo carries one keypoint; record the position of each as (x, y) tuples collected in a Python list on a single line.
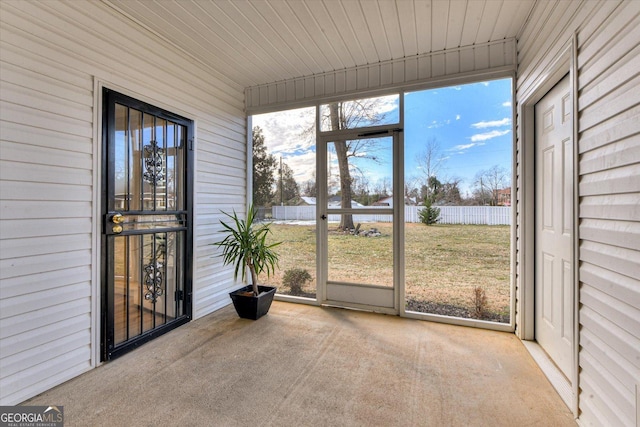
[(281, 186)]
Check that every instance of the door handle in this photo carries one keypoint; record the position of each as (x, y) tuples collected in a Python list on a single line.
[(323, 216), (117, 218)]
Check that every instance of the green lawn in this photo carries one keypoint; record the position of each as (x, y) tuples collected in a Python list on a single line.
[(443, 263)]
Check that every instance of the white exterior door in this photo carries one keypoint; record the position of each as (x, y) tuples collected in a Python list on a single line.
[(554, 226)]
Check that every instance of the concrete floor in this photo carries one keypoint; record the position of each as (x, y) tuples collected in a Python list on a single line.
[(302, 365)]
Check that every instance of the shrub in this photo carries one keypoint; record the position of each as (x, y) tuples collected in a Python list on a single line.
[(479, 302), (295, 278), (429, 215)]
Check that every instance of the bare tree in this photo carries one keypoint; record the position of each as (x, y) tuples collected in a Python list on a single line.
[(383, 187), (309, 188), (349, 115), (411, 188), (451, 192), (430, 160), (488, 182), (361, 189)]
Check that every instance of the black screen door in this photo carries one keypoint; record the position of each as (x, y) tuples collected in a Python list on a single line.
[(146, 222)]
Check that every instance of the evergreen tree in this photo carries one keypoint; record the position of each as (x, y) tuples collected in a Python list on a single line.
[(264, 166), (429, 215)]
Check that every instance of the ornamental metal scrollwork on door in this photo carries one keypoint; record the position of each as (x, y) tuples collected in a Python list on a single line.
[(154, 272), (153, 163)]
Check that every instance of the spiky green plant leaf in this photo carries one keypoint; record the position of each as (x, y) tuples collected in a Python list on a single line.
[(245, 245)]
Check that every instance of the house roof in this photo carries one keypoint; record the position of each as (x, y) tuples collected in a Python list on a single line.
[(309, 200), (255, 42)]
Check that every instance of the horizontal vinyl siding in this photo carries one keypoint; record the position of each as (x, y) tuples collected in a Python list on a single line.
[(51, 55), (46, 186), (401, 72), (608, 35), (609, 98), (221, 173)]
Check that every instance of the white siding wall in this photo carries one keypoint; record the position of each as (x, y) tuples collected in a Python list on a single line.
[(52, 53), (608, 37)]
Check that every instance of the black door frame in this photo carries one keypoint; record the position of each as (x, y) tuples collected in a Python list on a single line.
[(109, 100)]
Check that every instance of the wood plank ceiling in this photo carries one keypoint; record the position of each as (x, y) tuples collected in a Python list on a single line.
[(253, 42)]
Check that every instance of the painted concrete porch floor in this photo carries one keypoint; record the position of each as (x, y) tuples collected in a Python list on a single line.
[(302, 365)]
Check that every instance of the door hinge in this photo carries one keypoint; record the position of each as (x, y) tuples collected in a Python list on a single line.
[(182, 296)]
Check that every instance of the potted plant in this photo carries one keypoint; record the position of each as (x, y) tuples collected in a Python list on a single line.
[(245, 246)]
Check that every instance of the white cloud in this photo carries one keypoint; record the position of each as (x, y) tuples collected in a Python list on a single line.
[(492, 124), (387, 104), (363, 154), (284, 134), (303, 165), (283, 130), (436, 124), (506, 104), (463, 147), (489, 135)]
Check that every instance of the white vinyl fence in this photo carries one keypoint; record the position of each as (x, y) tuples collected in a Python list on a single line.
[(481, 215)]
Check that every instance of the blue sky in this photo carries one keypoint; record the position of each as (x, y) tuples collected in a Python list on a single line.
[(471, 123)]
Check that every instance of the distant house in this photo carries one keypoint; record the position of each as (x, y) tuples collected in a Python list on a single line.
[(504, 197), (307, 201), (336, 201), (385, 201), (388, 201)]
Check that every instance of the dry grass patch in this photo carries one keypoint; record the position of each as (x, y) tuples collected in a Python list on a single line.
[(298, 250), (443, 263)]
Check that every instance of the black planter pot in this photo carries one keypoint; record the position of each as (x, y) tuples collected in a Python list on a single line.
[(250, 306)]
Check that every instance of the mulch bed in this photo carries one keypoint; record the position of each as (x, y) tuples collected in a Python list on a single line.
[(451, 310), (431, 308)]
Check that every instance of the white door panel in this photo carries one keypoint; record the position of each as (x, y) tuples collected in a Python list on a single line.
[(554, 225)]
